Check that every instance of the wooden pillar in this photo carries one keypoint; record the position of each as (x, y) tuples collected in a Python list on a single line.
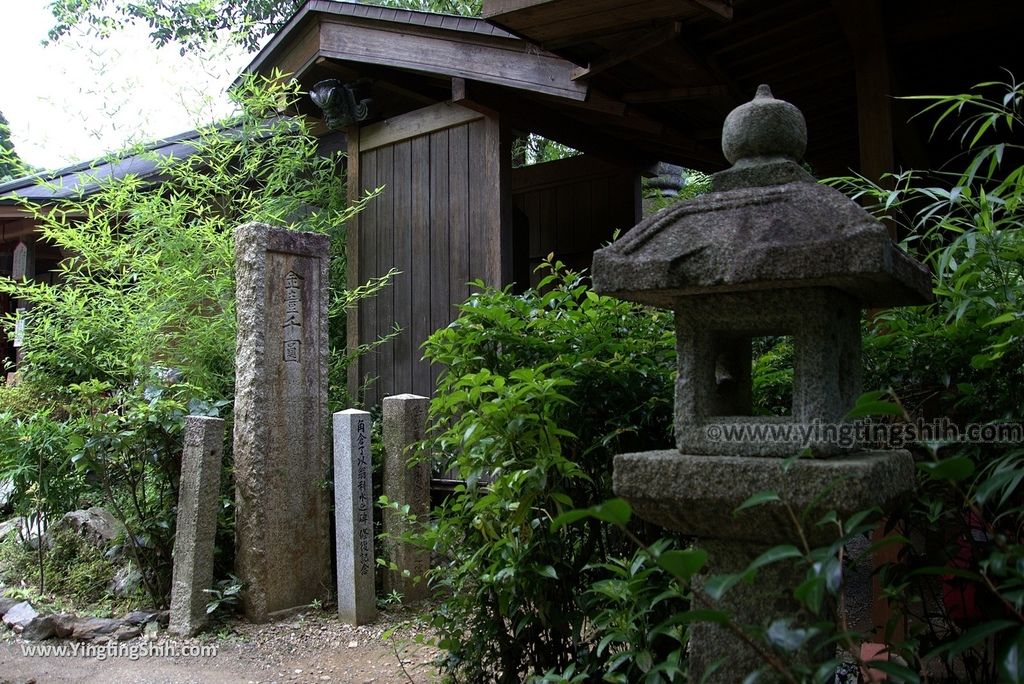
[(862, 23), (352, 276)]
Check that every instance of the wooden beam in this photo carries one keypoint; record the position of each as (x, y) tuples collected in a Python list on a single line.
[(636, 47), (392, 82), (862, 23), (427, 120), (458, 89), (501, 61), (722, 8), (353, 277), (550, 22), (551, 174), (675, 94), (9, 211)]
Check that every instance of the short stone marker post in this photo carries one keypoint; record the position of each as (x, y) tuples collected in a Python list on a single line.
[(282, 519), (405, 422), (196, 524), (768, 252), (353, 517)]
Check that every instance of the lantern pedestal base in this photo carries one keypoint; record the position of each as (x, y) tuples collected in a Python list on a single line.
[(697, 495)]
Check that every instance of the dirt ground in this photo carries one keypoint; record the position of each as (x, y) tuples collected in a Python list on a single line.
[(310, 647)]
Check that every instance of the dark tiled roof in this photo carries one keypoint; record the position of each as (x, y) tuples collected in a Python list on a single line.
[(85, 178), (401, 16)]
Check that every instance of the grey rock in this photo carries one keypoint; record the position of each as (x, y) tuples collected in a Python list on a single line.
[(768, 252), (141, 617), (9, 526), (96, 525), (281, 426), (89, 629), (6, 494), (669, 180), (764, 129), (64, 624), (125, 582), (19, 615), (151, 630), (798, 234), (126, 632), (767, 225), (196, 525), (40, 629), (6, 604), (715, 332)]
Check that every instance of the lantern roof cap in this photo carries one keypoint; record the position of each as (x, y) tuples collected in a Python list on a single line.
[(767, 224)]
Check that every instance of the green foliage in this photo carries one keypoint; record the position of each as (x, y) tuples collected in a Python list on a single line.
[(139, 328), (191, 24), (226, 596), (540, 391), (26, 441), (536, 149), (695, 183), (152, 281), (10, 164), (129, 442), (78, 573), (772, 376)]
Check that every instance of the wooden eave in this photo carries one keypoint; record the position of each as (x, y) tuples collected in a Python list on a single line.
[(458, 47), (843, 62)]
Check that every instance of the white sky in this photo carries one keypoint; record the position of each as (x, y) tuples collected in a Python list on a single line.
[(84, 96)]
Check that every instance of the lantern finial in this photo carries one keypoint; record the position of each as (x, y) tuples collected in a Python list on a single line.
[(764, 130)]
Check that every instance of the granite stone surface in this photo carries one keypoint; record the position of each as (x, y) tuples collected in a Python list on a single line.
[(405, 421), (353, 517), (196, 523), (281, 419)]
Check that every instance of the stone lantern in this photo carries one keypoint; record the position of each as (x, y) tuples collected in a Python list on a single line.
[(768, 252)]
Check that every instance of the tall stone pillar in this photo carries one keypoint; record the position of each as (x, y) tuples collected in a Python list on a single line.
[(281, 419)]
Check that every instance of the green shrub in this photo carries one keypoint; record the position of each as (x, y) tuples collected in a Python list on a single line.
[(139, 328), (540, 391)]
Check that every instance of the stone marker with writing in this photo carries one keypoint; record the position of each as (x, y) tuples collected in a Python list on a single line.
[(23, 268), (405, 421), (196, 524), (353, 517), (282, 529)]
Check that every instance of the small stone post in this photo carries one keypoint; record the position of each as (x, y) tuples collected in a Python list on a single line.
[(23, 268), (405, 421), (353, 517), (196, 524), (282, 457)]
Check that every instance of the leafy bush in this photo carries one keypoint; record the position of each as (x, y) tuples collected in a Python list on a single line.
[(540, 391), (962, 359), (139, 328)]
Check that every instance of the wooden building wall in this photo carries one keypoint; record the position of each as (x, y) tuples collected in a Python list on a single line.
[(438, 220), (570, 207)]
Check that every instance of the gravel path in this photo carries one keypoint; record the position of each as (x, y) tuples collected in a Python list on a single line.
[(311, 647)]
